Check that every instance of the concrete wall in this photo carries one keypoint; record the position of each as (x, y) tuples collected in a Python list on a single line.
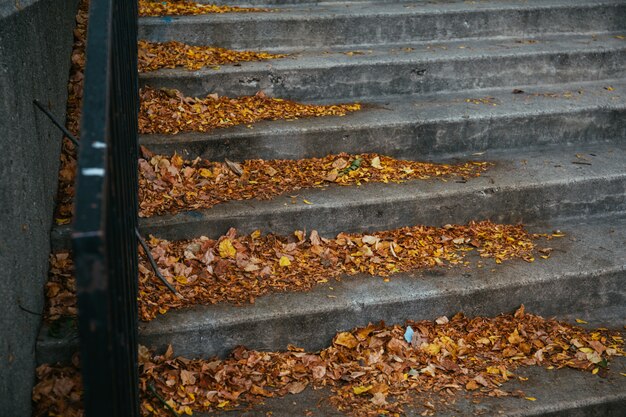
[(35, 46)]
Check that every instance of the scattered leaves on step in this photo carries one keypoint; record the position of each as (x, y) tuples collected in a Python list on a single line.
[(154, 55), (171, 184), (490, 101), (169, 112), (59, 391), (563, 94), (60, 289), (239, 268), (186, 8), (370, 371)]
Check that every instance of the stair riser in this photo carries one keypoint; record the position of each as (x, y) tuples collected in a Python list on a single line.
[(546, 298), (611, 407), (375, 78), (510, 205), (273, 31), (417, 140)]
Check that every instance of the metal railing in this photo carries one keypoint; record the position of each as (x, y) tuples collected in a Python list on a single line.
[(103, 237)]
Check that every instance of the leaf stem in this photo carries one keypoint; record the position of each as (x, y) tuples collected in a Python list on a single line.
[(158, 396)]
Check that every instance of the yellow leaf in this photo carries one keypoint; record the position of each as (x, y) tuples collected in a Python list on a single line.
[(514, 338), (622, 373), (586, 350), (205, 173), (361, 390), (493, 370), (256, 234), (306, 201), (376, 163), (531, 398), (595, 370), (226, 248), (177, 161), (181, 279), (594, 357), (223, 404), (431, 348), (471, 385), (148, 407), (346, 339), (581, 321), (284, 261)]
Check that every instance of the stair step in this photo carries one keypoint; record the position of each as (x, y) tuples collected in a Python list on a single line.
[(417, 127), (409, 69), (585, 272), (300, 27), (522, 187)]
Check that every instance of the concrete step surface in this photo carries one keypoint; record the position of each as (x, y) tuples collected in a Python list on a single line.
[(544, 184), (523, 186), (586, 272), (366, 74), (425, 126), (294, 27)]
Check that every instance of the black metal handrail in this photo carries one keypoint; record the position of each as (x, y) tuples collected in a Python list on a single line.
[(103, 237)]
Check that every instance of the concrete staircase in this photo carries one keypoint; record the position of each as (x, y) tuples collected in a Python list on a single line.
[(558, 142)]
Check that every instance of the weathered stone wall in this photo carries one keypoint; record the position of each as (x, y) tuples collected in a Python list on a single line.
[(35, 47)]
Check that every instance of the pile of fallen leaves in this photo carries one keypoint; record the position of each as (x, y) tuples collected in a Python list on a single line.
[(59, 391), (186, 8), (60, 289), (171, 184), (371, 371), (156, 55), (168, 111), (237, 269), (67, 170)]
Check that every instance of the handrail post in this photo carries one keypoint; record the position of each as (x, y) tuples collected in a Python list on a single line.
[(103, 237)]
